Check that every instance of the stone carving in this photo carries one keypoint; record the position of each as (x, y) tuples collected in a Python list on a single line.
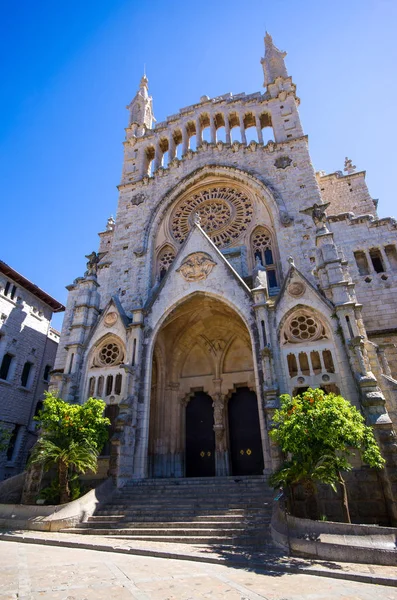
[(349, 167), (296, 289), (196, 267), (110, 223), (225, 214), (214, 346), (92, 264), (317, 213), (282, 162), (137, 199), (110, 319), (285, 218), (260, 277)]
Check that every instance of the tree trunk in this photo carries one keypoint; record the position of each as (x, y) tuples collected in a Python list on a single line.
[(311, 499), (345, 503), (64, 491)]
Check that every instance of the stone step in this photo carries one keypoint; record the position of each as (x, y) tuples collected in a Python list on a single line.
[(190, 497), (199, 480), (240, 540), (190, 512), (187, 525), (189, 519), (222, 511)]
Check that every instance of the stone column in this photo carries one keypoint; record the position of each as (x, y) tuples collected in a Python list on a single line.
[(199, 135), (259, 129), (227, 130), (157, 157), (221, 453), (385, 259), (384, 363), (171, 148), (212, 129), (242, 131), (185, 140)]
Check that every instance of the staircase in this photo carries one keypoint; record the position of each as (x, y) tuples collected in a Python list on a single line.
[(202, 510)]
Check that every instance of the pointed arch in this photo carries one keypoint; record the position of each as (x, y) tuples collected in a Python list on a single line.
[(263, 248), (165, 258)]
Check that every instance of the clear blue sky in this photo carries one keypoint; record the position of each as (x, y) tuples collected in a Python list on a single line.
[(68, 69)]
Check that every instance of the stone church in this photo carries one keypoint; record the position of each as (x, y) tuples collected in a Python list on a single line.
[(232, 273)]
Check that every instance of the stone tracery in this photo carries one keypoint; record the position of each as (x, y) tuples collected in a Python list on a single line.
[(225, 214)]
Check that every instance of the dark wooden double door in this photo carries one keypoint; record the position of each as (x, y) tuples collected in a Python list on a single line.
[(244, 435)]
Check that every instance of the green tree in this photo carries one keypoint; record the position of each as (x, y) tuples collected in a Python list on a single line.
[(318, 431), (72, 435)]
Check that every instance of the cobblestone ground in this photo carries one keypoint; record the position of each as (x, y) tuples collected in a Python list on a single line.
[(30, 572)]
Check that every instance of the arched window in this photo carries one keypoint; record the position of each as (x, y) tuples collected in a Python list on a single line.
[(117, 384), (149, 161), (267, 127), (262, 249), (99, 389), (164, 147), (91, 387), (164, 261), (109, 385)]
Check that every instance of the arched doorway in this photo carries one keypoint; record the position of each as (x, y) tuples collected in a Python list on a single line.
[(202, 353), (200, 436), (246, 453)]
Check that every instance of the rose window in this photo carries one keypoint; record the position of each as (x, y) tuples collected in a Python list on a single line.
[(109, 354), (225, 214), (303, 327)]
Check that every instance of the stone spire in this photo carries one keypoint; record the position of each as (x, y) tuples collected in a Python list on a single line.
[(273, 62), (141, 107)]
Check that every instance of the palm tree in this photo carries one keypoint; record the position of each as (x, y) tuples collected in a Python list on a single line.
[(65, 454)]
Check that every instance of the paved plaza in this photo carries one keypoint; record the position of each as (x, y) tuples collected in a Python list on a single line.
[(33, 571)]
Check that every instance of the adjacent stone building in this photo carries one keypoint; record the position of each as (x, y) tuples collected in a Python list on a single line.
[(233, 273), (28, 346)]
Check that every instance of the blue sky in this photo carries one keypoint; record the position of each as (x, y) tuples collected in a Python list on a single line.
[(68, 69)]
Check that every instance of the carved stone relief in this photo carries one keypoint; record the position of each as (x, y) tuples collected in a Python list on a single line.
[(196, 267)]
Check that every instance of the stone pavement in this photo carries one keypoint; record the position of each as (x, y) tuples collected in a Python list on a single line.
[(37, 571), (276, 563)]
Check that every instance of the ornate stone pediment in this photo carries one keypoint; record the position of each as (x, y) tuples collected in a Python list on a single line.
[(196, 266)]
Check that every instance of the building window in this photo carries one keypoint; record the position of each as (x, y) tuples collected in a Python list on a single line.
[(165, 260), (99, 390), (362, 263), (117, 384), (263, 251), (376, 259), (12, 443), (109, 385), (91, 387), (10, 290), (47, 370), (391, 254), (110, 354), (5, 366), (26, 371)]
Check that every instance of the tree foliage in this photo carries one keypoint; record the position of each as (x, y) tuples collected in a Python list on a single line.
[(75, 422), (72, 435), (318, 432)]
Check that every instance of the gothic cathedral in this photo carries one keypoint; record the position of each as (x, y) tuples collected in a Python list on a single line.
[(232, 273)]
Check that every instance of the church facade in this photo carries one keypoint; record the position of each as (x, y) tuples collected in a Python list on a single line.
[(232, 273)]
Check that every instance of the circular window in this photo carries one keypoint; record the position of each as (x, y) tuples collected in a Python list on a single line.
[(109, 354), (303, 327), (225, 214)]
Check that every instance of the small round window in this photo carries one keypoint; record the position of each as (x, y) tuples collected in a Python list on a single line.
[(109, 354)]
